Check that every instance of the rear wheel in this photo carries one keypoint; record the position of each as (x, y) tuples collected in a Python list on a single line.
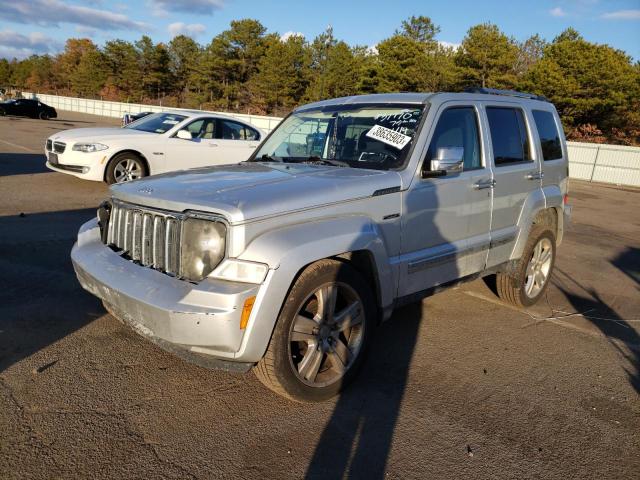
[(321, 335), (527, 281), (125, 167), (2, 112)]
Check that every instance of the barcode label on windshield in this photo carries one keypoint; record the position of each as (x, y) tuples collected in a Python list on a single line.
[(388, 136)]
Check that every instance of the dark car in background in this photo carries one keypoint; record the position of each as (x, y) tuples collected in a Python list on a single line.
[(27, 108)]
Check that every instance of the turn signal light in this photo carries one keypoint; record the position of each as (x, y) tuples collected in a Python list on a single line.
[(246, 312)]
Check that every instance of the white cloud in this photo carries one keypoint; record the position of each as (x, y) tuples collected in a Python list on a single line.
[(453, 45), (13, 44), (557, 12), (54, 12), (181, 28), (202, 7), (287, 35), (622, 15)]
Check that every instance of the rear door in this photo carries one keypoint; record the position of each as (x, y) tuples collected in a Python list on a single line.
[(554, 158), (516, 173), (237, 141)]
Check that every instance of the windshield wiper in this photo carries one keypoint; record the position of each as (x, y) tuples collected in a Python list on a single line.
[(268, 158), (324, 161)]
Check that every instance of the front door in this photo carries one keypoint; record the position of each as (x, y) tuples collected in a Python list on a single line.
[(446, 219), (516, 173), (202, 150)]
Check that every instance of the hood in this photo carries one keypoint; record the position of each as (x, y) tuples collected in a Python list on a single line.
[(248, 191), (97, 134)]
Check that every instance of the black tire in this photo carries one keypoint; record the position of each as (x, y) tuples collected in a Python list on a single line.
[(278, 370), (3, 113), (511, 285), (43, 116), (111, 175)]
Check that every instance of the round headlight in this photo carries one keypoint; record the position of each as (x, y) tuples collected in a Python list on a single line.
[(202, 249)]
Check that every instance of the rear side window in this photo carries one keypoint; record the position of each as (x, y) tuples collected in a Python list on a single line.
[(237, 131), (508, 135), (458, 127), (549, 137)]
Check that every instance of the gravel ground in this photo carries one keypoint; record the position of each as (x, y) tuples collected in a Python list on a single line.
[(458, 386)]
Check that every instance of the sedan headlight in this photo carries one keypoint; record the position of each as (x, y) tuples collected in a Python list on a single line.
[(89, 147), (202, 249)]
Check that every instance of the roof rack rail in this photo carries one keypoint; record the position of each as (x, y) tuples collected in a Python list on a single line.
[(506, 93)]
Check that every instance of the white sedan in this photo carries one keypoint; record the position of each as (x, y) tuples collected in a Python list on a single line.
[(162, 142)]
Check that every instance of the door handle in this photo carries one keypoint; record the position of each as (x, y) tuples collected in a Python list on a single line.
[(481, 185), (534, 175)]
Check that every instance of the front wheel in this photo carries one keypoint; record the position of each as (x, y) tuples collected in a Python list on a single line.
[(321, 334), (125, 167), (3, 113), (527, 281), (44, 116)]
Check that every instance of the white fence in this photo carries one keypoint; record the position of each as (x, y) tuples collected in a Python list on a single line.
[(587, 161), (604, 163), (118, 109)]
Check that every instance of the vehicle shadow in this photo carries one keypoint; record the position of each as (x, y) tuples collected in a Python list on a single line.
[(357, 439), (620, 333), (22, 164), (41, 301)]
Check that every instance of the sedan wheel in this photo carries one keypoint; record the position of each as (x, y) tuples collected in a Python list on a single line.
[(44, 116), (127, 169)]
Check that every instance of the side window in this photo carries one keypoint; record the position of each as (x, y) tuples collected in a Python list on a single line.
[(203, 128), (458, 127), (508, 135), (237, 131), (548, 133)]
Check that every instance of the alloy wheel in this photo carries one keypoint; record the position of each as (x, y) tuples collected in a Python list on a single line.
[(538, 268), (126, 170), (327, 334)]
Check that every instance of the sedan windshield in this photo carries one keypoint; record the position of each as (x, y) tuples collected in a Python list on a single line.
[(361, 136), (157, 123)]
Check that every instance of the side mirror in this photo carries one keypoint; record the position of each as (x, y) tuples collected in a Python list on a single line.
[(448, 160), (184, 135)]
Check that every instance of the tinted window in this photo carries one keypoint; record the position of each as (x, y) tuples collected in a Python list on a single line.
[(549, 137), (508, 135), (458, 127), (237, 131)]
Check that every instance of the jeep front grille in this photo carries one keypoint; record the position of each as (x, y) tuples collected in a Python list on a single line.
[(149, 237)]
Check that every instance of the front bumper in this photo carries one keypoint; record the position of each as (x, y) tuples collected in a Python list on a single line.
[(198, 322), (73, 163)]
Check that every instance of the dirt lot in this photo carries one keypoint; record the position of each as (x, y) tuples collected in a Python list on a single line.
[(459, 386)]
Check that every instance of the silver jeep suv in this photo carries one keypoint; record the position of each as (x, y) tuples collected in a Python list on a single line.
[(350, 208)]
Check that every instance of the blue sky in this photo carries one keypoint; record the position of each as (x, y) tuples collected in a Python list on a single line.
[(42, 26)]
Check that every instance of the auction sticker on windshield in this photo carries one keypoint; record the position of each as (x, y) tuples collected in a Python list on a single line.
[(388, 136)]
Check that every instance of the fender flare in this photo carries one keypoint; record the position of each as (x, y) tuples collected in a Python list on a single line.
[(288, 250)]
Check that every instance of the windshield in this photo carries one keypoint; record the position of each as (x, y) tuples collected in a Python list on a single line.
[(361, 136), (156, 123)]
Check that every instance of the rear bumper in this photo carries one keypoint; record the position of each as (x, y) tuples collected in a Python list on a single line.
[(200, 323)]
